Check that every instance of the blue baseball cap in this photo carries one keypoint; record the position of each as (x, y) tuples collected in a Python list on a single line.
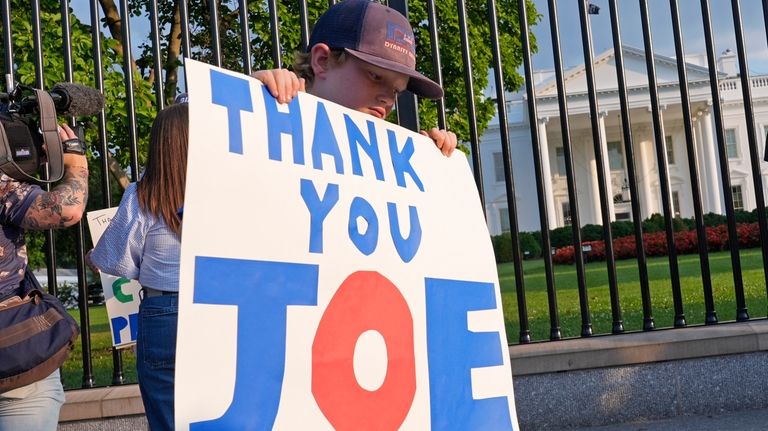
[(375, 34), (181, 98)]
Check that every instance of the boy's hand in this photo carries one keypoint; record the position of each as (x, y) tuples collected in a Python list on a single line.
[(444, 139), (282, 83)]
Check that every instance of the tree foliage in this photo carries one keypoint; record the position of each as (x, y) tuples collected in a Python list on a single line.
[(51, 51), (145, 77), (290, 34)]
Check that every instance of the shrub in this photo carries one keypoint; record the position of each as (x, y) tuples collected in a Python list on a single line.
[(686, 242), (563, 255), (654, 223), (502, 247), (625, 247), (596, 251), (67, 294), (529, 246), (683, 224), (712, 219), (592, 232), (537, 237), (561, 237), (745, 217), (622, 228)]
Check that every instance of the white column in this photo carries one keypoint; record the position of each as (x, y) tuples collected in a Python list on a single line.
[(547, 172), (705, 182), (713, 185), (595, 192), (644, 169), (666, 168), (606, 165)]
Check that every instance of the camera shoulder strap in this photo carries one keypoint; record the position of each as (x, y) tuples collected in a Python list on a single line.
[(50, 131)]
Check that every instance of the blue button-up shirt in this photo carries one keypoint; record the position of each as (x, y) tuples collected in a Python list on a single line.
[(139, 246)]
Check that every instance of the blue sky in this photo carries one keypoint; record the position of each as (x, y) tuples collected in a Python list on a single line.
[(661, 30), (629, 12)]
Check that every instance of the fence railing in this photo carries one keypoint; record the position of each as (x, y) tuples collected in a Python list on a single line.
[(98, 44)]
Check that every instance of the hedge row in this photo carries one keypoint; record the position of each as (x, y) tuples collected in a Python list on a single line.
[(622, 232), (686, 242)]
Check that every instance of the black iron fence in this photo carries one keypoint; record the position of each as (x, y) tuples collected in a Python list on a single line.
[(469, 48)]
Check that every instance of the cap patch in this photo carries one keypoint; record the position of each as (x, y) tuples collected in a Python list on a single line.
[(400, 40)]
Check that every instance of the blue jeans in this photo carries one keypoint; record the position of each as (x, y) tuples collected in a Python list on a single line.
[(156, 358), (33, 407)]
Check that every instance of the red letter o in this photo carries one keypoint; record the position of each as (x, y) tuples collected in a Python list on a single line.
[(365, 301)]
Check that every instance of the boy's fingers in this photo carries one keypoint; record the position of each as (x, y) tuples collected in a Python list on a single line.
[(450, 143), (438, 136), (444, 140), (283, 86), (289, 84), (266, 78)]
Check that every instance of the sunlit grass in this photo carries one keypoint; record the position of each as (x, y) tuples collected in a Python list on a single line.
[(537, 304), (600, 314), (101, 354)]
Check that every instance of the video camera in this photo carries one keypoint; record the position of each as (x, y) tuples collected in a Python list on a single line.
[(28, 121)]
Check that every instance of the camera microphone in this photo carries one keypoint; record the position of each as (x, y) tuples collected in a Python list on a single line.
[(70, 99), (76, 99)]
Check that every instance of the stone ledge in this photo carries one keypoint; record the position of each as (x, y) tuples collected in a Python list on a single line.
[(529, 359), (642, 392), (98, 403), (639, 347)]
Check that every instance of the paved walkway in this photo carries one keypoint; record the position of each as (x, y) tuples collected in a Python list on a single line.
[(125, 423), (749, 420)]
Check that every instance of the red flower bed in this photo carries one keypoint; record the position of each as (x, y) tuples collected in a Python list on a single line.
[(686, 242)]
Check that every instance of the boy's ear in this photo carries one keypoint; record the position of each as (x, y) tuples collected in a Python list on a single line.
[(320, 55)]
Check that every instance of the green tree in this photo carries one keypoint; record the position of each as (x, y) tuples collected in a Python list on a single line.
[(290, 42), (53, 69), (145, 75)]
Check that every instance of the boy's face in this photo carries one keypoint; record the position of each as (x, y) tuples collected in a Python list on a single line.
[(358, 85)]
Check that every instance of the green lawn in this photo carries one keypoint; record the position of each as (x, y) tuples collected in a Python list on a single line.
[(629, 293), (536, 297), (101, 354)]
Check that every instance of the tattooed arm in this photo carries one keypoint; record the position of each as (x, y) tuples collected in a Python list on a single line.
[(64, 205)]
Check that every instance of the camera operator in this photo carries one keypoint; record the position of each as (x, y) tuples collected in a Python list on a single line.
[(26, 206)]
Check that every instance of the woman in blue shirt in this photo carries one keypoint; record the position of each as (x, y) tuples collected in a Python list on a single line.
[(143, 242)]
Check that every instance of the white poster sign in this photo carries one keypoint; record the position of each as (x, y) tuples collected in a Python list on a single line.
[(120, 294), (336, 273)]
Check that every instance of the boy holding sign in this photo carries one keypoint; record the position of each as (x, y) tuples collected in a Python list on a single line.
[(361, 55)]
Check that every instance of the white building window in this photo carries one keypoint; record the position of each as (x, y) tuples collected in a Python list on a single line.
[(504, 220), (765, 141), (670, 150), (738, 198), (731, 146), (560, 155), (615, 156), (566, 214), (623, 216), (676, 203), (498, 167)]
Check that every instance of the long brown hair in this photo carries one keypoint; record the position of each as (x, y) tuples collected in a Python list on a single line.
[(161, 189)]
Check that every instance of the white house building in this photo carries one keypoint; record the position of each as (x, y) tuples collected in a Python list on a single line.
[(585, 167)]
